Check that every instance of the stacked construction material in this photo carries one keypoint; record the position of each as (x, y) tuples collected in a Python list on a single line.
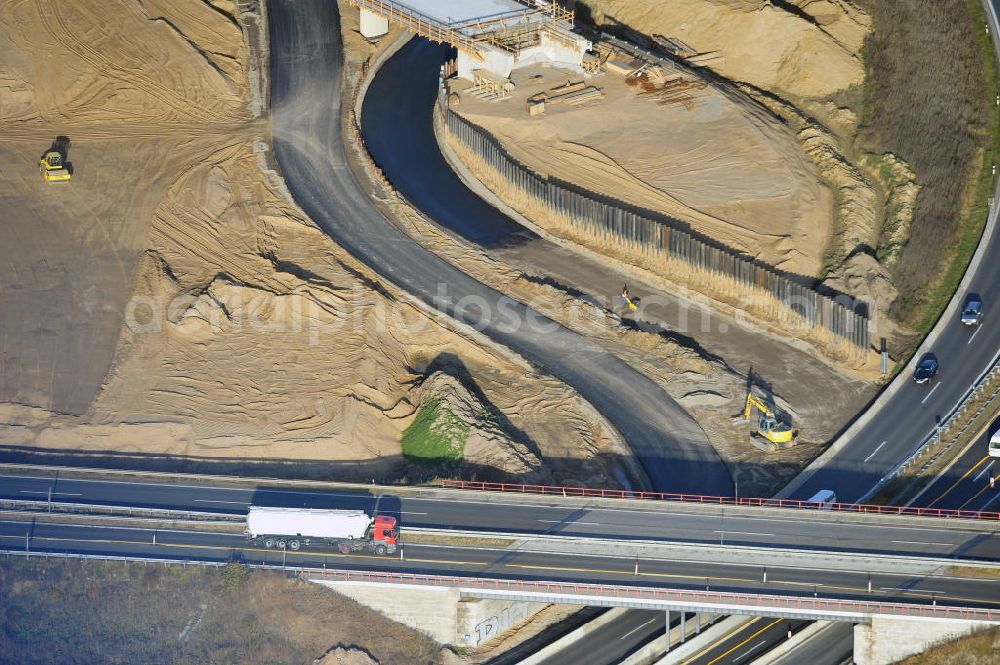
[(571, 92)]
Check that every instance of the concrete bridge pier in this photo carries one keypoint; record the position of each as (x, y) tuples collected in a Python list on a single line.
[(887, 640)]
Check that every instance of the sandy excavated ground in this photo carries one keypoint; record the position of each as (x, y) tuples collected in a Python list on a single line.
[(762, 44), (731, 171), (171, 302)]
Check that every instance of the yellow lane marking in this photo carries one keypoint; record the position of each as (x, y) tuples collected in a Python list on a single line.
[(964, 476), (741, 627), (773, 623), (975, 496)]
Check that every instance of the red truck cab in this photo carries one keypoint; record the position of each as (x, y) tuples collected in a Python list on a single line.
[(384, 530)]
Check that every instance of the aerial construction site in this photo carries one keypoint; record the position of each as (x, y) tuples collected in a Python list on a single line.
[(288, 285)]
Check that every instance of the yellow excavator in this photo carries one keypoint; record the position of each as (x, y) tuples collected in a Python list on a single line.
[(768, 426), (53, 168)]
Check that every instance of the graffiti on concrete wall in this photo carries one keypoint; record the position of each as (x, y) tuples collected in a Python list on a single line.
[(495, 625)]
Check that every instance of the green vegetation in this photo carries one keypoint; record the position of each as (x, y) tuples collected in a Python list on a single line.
[(435, 435), (62, 611), (929, 97), (982, 648)]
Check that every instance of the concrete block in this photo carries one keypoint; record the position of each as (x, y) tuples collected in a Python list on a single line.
[(887, 640), (373, 25), (431, 610)]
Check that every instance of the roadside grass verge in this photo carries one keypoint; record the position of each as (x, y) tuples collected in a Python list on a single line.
[(929, 97), (982, 648)]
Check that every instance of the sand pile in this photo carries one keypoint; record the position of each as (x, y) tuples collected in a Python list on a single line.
[(346, 656), (171, 303), (250, 336), (100, 62), (732, 172), (762, 43)]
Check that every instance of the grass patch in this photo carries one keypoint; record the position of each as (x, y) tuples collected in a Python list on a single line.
[(929, 97), (435, 435)]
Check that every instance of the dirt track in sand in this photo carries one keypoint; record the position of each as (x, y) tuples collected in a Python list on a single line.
[(170, 302)]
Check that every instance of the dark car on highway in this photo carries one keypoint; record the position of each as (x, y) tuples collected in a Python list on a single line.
[(927, 369), (972, 310)]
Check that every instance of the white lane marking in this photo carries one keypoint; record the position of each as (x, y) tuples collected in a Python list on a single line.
[(751, 650), (985, 469), (636, 628), (876, 450), (974, 335), (408, 512), (238, 503), (928, 395), (570, 522), (922, 542), (744, 533), (53, 494), (915, 592)]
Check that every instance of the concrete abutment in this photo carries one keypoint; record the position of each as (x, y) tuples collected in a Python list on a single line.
[(441, 613)]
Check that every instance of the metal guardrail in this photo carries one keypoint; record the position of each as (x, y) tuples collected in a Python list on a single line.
[(599, 493), (60, 507), (957, 414)]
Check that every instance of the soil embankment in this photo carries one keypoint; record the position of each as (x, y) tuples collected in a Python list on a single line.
[(170, 306)]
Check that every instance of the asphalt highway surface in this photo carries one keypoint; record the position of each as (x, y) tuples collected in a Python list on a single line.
[(606, 644), (306, 57), (966, 484), (833, 645), (472, 511), (61, 535), (747, 642)]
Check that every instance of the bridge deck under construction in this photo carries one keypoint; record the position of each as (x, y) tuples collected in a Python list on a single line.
[(469, 25)]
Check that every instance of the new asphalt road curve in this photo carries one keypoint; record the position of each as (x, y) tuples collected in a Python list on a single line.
[(306, 58)]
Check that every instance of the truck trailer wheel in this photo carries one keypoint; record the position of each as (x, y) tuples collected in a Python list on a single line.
[(281, 544), (295, 545), (380, 550), (344, 548), (269, 543)]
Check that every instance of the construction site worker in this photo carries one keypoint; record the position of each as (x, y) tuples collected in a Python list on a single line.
[(627, 298)]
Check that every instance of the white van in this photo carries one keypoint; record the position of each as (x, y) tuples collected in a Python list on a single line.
[(825, 499), (994, 450)]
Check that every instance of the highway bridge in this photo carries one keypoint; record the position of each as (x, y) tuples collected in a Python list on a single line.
[(794, 562), (630, 553)]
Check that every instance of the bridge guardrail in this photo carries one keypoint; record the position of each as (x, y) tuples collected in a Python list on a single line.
[(694, 597), (599, 493)]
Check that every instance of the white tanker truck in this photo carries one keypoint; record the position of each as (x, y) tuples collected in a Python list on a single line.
[(347, 530)]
